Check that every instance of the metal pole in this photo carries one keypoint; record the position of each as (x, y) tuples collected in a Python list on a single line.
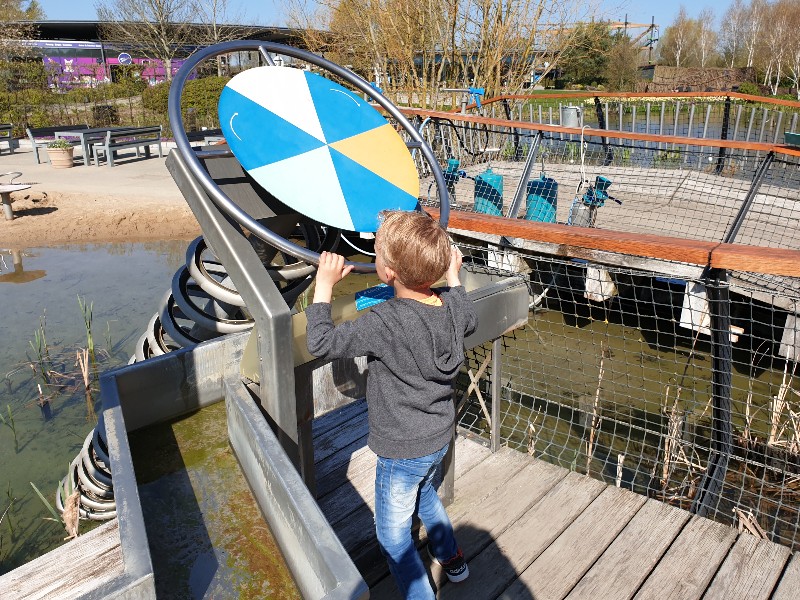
[(726, 117), (601, 124), (497, 391), (758, 178), (516, 203), (510, 117), (710, 489)]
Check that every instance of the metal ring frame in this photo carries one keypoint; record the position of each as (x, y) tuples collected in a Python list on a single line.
[(221, 199)]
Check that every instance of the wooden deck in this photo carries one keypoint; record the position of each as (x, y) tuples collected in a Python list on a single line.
[(531, 530), (69, 571)]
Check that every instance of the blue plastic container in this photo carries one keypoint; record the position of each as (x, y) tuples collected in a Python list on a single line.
[(542, 200), (489, 193)]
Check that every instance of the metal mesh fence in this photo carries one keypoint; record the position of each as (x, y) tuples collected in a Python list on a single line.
[(688, 117), (680, 190), (615, 374), (625, 370)]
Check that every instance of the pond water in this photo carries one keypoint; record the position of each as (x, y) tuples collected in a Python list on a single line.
[(123, 283)]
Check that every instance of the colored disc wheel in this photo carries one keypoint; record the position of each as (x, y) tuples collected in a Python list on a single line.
[(317, 147)]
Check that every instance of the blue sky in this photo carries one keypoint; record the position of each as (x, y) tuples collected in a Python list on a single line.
[(269, 12)]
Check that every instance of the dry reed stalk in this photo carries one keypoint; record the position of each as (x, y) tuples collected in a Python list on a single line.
[(83, 363), (620, 462), (777, 405), (533, 434), (71, 515), (595, 424)]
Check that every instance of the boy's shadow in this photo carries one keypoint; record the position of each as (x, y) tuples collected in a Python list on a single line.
[(491, 572)]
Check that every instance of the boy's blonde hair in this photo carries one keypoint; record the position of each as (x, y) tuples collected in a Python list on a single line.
[(414, 246)]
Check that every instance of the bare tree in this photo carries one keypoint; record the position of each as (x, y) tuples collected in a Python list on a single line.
[(755, 16), (216, 23), (427, 45), (158, 27), (732, 33), (707, 37), (678, 45), (776, 40), (793, 51), (16, 17)]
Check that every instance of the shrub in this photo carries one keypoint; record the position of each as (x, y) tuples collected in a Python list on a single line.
[(748, 87), (59, 143), (155, 98)]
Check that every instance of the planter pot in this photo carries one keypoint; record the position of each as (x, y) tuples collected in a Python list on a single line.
[(60, 158)]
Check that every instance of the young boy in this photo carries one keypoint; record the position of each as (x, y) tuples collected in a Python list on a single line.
[(415, 346)]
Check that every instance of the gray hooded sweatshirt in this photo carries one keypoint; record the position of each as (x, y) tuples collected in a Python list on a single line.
[(414, 352)]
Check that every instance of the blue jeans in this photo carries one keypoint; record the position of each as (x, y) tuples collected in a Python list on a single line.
[(404, 487)]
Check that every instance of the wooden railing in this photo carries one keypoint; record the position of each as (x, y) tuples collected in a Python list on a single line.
[(575, 241)]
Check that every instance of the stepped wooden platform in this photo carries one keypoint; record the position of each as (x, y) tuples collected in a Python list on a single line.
[(530, 529)]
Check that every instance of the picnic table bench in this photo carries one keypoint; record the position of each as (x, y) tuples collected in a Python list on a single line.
[(7, 135), (134, 137), (41, 136), (206, 136)]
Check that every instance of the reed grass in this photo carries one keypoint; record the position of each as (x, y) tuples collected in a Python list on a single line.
[(86, 311), (9, 422), (11, 500), (41, 352), (47, 505), (594, 425), (83, 363)]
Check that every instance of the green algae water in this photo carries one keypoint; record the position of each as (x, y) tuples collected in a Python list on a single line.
[(123, 284), (207, 536)]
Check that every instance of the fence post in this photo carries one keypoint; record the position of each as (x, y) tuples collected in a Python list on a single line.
[(497, 392), (710, 488), (515, 131), (601, 124), (726, 117)]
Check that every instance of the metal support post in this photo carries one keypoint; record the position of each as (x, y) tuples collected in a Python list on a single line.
[(525, 176), (601, 124), (758, 178), (497, 392), (710, 489), (726, 118)]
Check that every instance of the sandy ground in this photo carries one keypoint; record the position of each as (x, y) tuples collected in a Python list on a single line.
[(135, 200)]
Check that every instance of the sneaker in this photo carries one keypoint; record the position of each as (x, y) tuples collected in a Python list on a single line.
[(456, 568)]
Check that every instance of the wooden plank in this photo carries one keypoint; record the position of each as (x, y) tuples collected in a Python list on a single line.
[(639, 244), (338, 417), (750, 571), (358, 491), (790, 581), (335, 470), (625, 564), (688, 566), (468, 454), (775, 261), (476, 486), (70, 570), (523, 540), (329, 442), (556, 571)]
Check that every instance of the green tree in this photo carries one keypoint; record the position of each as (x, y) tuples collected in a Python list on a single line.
[(585, 61), (622, 66)]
